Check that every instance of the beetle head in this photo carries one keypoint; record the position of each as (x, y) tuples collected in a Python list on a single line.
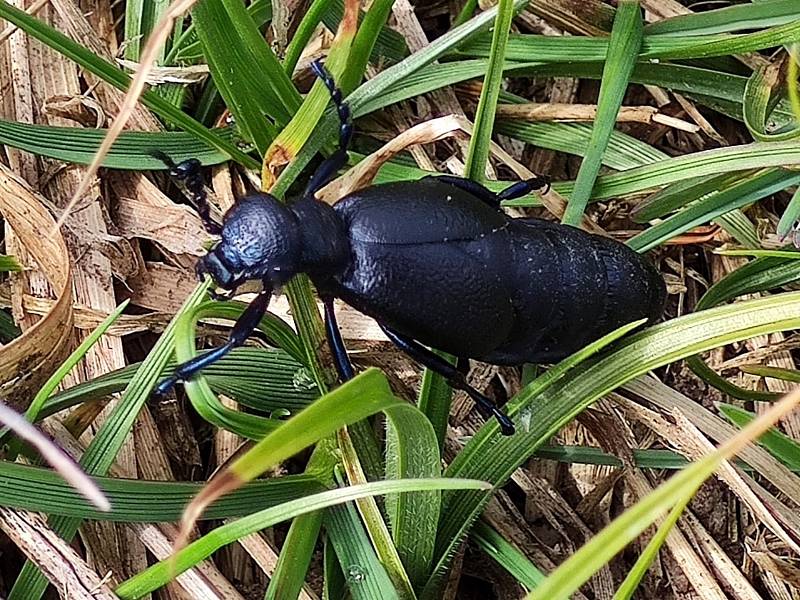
[(260, 240)]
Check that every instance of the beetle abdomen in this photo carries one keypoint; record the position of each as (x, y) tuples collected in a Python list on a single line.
[(595, 285)]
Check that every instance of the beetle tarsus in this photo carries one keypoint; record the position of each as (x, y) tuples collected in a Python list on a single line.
[(454, 377), (342, 108)]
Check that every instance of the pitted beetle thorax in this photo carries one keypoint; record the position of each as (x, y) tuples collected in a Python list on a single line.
[(260, 239), (325, 247)]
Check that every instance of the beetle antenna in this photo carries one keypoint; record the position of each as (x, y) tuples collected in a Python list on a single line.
[(342, 108), (338, 159), (187, 172)]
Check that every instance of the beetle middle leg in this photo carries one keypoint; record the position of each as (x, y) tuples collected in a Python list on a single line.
[(244, 326), (338, 159), (338, 350), (454, 377)]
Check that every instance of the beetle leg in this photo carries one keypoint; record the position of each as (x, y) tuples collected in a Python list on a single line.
[(455, 378), (188, 173), (244, 326), (483, 193), (338, 350), (462, 365), (473, 187), (338, 159), (521, 188)]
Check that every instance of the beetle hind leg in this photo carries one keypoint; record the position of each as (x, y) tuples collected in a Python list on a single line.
[(524, 187), (516, 190), (454, 376)]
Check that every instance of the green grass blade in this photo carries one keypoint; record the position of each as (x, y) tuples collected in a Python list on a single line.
[(232, 44), (637, 572), (365, 574), (111, 74), (777, 443), (435, 398), (198, 389), (357, 399), (756, 276), (308, 24), (624, 45), (790, 216), (295, 557), (412, 451), (132, 150), (162, 572), (478, 154), (138, 501), (728, 19), (541, 410), (506, 555), (742, 192)]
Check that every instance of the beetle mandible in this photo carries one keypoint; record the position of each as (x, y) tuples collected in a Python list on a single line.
[(436, 262)]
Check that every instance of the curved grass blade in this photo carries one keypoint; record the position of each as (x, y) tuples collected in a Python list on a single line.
[(577, 569), (541, 408), (200, 394), (162, 572), (102, 450), (624, 45)]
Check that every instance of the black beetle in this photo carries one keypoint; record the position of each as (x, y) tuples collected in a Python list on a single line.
[(434, 262)]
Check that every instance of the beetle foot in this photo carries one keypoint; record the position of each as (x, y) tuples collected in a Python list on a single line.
[(165, 386)]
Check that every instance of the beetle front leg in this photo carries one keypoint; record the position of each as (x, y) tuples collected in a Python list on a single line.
[(338, 350), (454, 377), (244, 326)]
